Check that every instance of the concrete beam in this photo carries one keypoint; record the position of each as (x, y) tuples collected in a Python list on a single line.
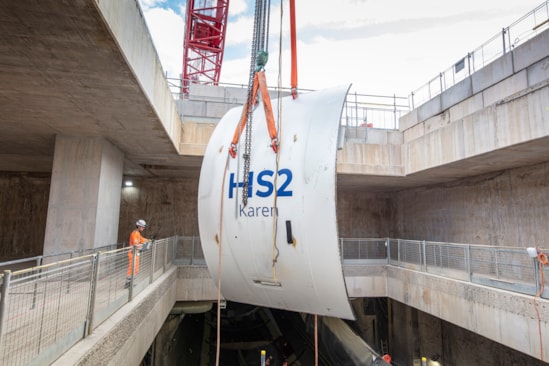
[(504, 317)]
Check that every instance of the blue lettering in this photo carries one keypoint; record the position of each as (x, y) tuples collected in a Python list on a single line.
[(257, 211), (233, 184), (263, 183), (282, 192)]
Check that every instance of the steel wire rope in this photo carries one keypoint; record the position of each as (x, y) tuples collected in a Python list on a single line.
[(219, 262), (275, 251)]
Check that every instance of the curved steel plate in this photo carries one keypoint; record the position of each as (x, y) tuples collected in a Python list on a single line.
[(281, 250)]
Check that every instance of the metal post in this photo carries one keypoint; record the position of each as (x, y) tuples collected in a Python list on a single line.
[(395, 111), (35, 290), (496, 262), (356, 109), (165, 259), (132, 278), (424, 254), (69, 276), (153, 261), (468, 259), (4, 301), (537, 274), (387, 250), (192, 250), (398, 251), (92, 294), (503, 40), (440, 78)]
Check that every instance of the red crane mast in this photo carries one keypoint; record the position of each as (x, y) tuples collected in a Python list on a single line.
[(204, 43)]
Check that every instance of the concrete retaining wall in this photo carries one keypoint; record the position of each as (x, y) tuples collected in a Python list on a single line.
[(507, 318)]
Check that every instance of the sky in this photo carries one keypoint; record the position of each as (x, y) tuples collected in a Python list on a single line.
[(381, 47)]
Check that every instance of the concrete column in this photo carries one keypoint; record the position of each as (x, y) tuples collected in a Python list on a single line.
[(84, 202)]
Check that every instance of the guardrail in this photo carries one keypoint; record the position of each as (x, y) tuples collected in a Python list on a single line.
[(45, 310), (360, 110), (505, 41), (505, 268)]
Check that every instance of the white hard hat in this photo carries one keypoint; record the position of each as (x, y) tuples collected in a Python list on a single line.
[(141, 223)]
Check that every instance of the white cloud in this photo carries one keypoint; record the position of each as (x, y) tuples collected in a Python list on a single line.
[(379, 46), (148, 4), (237, 7), (167, 31)]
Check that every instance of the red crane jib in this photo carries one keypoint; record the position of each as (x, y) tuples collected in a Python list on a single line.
[(204, 42)]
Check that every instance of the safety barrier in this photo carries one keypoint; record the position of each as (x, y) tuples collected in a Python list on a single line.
[(506, 268), (360, 110), (39, 260), (45, 310), (510, 37)]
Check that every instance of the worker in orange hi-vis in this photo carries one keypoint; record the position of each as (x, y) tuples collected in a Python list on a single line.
[(136, 239)]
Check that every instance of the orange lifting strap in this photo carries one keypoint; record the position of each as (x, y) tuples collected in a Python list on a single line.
[(260, 83), (294, 49)]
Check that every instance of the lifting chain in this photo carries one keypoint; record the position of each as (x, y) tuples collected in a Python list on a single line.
[(259, 45)]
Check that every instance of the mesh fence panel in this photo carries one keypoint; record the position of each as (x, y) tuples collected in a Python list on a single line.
[(189, 250), (510, 264), (363, 249), (443, 255), (111, 292), (45, 305), (410, 252), (47, 308), (392, 251)]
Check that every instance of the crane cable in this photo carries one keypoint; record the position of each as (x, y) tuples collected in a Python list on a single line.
[(257, 62), (275, 250), (219, 240)]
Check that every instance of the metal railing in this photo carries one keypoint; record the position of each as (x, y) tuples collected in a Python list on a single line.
[(52, 258), (360, 110), (505, 268), (46, 309), (378, 111), (505, 41)]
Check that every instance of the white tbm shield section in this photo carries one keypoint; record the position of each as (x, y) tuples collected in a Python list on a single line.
[(281, 249)]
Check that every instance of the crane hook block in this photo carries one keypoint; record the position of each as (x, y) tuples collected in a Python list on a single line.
[(261, 60)]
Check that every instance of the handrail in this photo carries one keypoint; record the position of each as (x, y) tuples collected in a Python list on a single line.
[(517, 33), (70, 298), (360, 110), (46, 309)]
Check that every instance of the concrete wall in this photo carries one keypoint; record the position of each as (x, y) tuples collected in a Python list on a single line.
[(365, 214), (168, 205), (505, 208), (523, 68), (490, 313), (23, 207), (380, 155)]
